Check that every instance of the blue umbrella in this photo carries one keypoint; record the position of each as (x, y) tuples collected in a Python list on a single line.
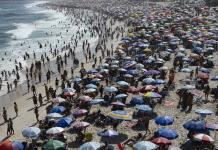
[(96, 101), (148, 80), (120, 96), (133, 72), (110, 89), (193, 125), (108, 133), (64, 122), (58, 109), (137, 100), (88, 86), (144, 108), (95, 80), (159, 81), (164, 120), (169, 134)]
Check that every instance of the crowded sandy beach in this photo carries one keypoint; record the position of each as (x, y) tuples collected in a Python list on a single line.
[(116, 75)]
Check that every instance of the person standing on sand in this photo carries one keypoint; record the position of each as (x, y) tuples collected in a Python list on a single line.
[(16, 108), (40, 99), (33, 89), (4, 115), (36, 111), (35, 100)]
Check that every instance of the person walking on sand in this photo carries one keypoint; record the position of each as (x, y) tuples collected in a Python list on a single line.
[(35, 100), (4, 115), (36, 111), (206, 91), (11, 126), (40, 99), (16, 108)]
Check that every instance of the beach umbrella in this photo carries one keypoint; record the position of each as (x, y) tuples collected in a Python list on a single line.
[(80, 124), (95, 80), (91, 90), (104, 71), (119, 115), (54, 145), (148, 80), (144, 108), (98, 75), (212, 127), (203, 137), (205, 70), (164, 68), (146, 88), (203, 112), (64, 122), (118, 104), (159, 81), (186, 70), (54, 115), (77, 79), (170, 134), (80, 112), (11, 145), (88, 86), (122, 70), (139, 66), (31, 132), (123, 83), (90, 146), (193, 125), (58, 109), (152, 72), (187, 87), (133, 89), (108, 133), (110, 89), (91, 71), (164, 120), (128, 75), (137, 100), (69, 92), (85, 98), (96, 101), (204, 76), (152, 95), (145, 145), (161, 141), (214, 78), (54, 130), (58, 100), (133, 72), (120, 96)]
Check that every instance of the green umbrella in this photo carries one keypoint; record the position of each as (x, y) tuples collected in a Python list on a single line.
[(54, 145)]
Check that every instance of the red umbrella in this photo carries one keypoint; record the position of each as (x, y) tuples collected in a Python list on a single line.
[(118, 104), (203, 76), (147, 88), (68, 94), (161, 141), (85, 98), (80, 112), (133, 89), (203, 138), (80, 125)]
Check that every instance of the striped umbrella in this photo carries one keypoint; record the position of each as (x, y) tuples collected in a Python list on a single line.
[(152, 95), (119, 115)]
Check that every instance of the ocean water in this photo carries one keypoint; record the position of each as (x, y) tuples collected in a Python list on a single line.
[(23, 24)]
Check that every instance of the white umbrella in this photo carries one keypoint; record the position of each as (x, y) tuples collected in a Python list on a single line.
[(54, 130), (58, 100), (54, 115), (31, 132)]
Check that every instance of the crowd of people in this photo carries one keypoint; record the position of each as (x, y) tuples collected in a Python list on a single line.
[(147, 53)]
